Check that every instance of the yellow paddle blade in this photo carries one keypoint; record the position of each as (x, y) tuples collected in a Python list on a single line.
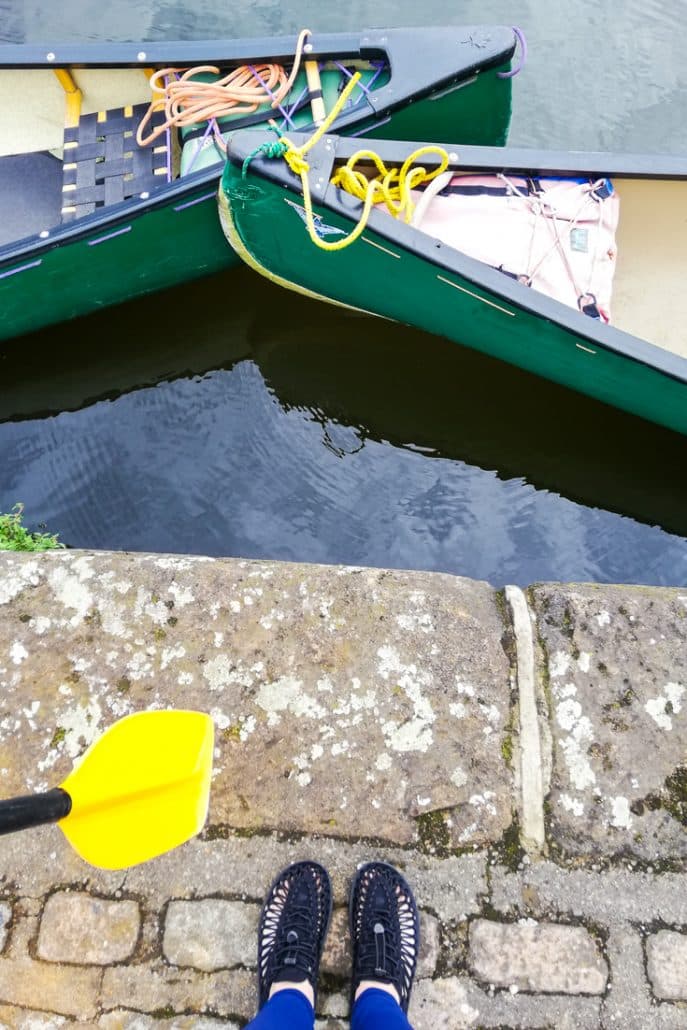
[(140, 789)]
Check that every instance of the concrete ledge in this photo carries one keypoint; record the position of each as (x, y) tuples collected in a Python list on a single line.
[(361, 702), (347, 701), (520, 756)]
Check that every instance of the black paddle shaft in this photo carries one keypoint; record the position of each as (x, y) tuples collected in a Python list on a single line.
[(34, 810)]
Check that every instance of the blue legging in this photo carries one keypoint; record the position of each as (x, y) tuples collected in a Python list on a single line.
[(291, 1010)]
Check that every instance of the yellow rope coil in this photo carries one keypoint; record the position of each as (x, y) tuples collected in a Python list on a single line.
[(391, 185)]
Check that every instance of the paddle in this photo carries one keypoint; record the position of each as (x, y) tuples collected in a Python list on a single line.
[(141, 789)]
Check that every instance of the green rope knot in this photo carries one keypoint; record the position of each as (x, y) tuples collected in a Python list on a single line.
[(272, 148)]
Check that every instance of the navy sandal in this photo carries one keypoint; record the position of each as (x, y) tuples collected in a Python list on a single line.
[(293, 926), (385, 930)]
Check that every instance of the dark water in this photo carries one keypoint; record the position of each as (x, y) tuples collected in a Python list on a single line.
[(229, 417)]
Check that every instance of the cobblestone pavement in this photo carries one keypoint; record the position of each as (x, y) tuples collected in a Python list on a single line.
[(172, 944), (521, 758)]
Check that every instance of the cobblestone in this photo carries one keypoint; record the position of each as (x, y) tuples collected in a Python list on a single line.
[(29, 1019), (613, 896), (540, 957), (156, 989), (65, 990), (666, 955), (211, 934), (456, 1003), (86, 930), (127, 1020)]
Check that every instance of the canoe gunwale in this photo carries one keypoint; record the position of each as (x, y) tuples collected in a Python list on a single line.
[(497, 287), (400, 45)]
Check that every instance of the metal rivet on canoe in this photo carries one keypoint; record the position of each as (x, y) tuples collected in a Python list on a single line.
[(44, 234), (452, 156), (141, 55), (308, 48), (50, 56), (145, 195)]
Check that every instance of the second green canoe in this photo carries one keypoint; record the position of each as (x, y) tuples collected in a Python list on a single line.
[(568, 265)]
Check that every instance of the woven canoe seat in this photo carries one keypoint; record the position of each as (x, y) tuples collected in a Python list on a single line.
[(104, 165)]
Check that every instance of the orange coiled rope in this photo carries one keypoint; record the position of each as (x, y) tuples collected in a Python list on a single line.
[(187, 101)]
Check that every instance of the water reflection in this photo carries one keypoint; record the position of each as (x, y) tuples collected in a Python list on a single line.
[(275, 427)]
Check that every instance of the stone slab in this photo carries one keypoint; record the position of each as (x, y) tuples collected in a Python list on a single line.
[(155, 989), (666, 963), (629, 1003), (65, 990), (530, 956), (211, 934), (121, 1019), (616, 662), (353, 702), (78, 928), (456, 1003)]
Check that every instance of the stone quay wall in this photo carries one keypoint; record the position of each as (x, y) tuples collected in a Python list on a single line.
[(519, 754)]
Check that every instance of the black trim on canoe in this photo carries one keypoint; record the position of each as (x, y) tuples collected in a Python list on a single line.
[(493, 160), (455, 52), (422, 61)]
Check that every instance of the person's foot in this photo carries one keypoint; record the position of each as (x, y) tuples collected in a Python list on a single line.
[(292, 930), (385, 932)]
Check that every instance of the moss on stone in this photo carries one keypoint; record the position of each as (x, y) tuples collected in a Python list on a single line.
[(567, 622), (501, 605), (123, 685), (508, 851), (672, 799), (58, 736), (433, 833), (507, 749), (676, 787)]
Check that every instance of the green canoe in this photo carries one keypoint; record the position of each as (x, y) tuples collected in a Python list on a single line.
[(624, 242), (89, 218)]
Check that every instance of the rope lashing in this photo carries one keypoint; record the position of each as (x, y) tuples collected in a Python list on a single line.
[(520, 37), (391, 185), (187, 100), (272, 148)]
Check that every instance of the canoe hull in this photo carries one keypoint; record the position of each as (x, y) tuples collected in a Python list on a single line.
[(139, 247), (380, 275)]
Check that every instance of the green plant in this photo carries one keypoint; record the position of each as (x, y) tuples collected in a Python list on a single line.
[(14, 536)]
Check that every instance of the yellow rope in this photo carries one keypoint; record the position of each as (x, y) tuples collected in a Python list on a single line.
[(391, 185)]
